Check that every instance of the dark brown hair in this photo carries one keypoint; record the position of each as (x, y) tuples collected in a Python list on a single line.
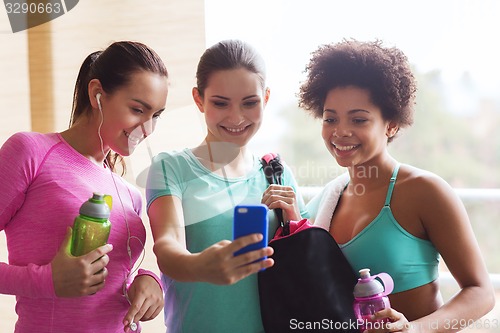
[(229, 54), (113, 67), (383, 71)]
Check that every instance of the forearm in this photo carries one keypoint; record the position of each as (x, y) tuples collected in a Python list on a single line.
[(29, 281), (175, 261), (469, 305)]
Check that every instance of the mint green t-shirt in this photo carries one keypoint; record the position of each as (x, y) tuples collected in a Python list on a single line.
[(208, 201)]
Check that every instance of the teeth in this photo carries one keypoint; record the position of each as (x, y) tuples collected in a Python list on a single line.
[(344, 148), (133, 138), (234, 130)]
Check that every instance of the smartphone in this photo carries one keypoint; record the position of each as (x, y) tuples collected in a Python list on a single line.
[(251, 219)]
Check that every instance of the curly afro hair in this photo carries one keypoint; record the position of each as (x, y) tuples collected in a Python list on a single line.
[(384, 72)]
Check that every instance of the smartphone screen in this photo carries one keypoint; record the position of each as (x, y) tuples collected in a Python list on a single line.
[(251, 219)]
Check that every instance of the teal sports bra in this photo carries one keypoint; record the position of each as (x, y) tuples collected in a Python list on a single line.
[(384, 246)]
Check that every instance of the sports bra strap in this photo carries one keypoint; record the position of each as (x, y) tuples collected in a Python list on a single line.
[(391, 185)]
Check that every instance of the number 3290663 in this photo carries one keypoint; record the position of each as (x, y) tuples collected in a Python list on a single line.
[(461, 324), (33, 8)]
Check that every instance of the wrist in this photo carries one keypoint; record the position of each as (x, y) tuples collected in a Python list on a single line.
[(145, 272), (192, 264)]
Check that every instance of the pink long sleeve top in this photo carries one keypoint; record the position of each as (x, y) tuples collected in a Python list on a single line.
[(43, 183)]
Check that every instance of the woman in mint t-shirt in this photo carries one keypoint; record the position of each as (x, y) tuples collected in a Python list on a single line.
[(191, 195)]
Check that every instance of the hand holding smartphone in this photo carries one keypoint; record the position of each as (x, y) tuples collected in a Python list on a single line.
[(251, 219)]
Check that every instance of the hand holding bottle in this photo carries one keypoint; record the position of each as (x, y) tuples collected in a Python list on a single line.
[(394, 322), (79, 276)]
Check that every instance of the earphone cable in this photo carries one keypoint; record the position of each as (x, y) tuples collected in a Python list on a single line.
[(132, 270)]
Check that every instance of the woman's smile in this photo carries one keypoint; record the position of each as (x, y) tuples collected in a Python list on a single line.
[(235, 130)]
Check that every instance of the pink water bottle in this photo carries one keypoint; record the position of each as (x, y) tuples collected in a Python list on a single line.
[(370, 297)]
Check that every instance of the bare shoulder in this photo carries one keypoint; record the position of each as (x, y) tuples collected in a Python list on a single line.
[(428, 195), (423, 192), (421, 182)]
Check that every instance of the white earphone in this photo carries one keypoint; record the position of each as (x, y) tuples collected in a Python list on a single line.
[(133, 326), (98, 97)]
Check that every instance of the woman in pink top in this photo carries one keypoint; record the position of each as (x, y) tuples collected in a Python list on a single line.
[(119, 94)]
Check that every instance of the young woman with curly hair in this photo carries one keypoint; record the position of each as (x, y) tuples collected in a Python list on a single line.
[(387, 216)]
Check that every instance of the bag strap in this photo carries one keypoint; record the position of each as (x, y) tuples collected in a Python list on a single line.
[(273, 170)]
